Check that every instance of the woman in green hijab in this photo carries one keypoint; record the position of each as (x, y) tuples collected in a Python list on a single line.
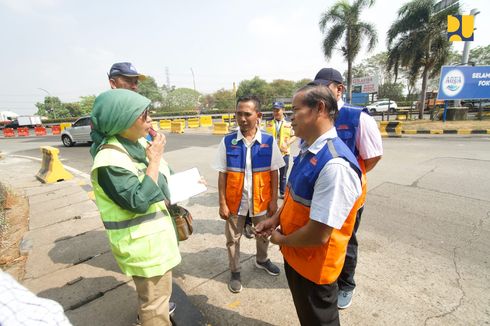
[(129, 182)]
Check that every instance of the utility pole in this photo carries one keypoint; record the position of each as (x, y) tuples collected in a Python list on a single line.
[(466, 51)]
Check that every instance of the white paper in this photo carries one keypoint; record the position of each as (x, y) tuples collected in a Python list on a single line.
[(184, 185)]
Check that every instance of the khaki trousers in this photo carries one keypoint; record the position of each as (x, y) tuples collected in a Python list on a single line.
[(154, 295), (233, 232)]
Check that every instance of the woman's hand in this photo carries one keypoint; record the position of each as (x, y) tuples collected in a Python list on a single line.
[(155, 149)]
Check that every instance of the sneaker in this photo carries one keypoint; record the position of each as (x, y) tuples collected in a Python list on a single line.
[(171, 307), (344, 299), (269, 267), (235, 284), (247, 231)]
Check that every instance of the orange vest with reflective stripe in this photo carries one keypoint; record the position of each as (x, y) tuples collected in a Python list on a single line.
[(320, 264), (236, 151)]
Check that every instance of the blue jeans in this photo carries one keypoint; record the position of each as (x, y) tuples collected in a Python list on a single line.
[(283, 172)]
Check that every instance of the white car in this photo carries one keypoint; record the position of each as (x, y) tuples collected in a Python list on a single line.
[(382, 106), (79, 132)]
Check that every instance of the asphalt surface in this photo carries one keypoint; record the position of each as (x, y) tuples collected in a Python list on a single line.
[(424, 240)]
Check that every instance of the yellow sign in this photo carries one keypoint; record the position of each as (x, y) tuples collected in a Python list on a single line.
[(460, 28)]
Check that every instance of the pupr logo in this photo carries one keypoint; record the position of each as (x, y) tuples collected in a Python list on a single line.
[(453, 82), (460, 28)]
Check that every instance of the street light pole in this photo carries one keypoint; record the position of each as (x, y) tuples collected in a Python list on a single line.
[(193, 79), (49, 94)]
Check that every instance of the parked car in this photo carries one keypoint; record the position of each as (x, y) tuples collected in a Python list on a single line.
[(382, 106), (79, 132)]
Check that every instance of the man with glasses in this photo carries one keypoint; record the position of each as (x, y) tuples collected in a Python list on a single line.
[(124, 75)]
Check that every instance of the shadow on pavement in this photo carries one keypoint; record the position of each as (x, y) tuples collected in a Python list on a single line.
[(223, 317), (210, 263)]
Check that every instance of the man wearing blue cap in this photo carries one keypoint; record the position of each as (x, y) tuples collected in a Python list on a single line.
[(360, 132), (282, 132), (124, 75)]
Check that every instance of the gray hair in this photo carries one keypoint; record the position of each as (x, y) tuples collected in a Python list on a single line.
[(314, 94)]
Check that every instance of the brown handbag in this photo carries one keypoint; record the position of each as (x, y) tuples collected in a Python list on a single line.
[(183, 221)]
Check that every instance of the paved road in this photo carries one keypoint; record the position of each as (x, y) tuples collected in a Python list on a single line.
[(424, 239)]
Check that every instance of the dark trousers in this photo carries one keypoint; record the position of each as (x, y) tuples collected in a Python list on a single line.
[(283, 172), (346, 278), (315, 304)]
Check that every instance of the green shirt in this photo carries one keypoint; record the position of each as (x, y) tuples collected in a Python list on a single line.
[(125, 189)]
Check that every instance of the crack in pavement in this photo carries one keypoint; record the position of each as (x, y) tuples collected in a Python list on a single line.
[(460, 287), (94, 297), (476, 232)]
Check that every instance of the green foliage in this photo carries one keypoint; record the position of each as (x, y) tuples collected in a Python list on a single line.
[(417, 40), (86, 104), (480, 55), (282, 88), (224, 99), (302, 82), (149, 89), (342, 20), (181, 99), (393, 91), (51, 107), (257, 87)]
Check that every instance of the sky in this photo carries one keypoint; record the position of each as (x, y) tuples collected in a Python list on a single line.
[(65, 48)]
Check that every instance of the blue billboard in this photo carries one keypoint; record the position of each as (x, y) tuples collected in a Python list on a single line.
[(464, 82)]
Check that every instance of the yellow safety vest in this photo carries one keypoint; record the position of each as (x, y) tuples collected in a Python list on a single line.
[(143, 244), (285, 133)]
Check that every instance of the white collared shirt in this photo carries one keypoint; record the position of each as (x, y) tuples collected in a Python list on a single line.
[(277, 162), (337, 188), (368, 137)]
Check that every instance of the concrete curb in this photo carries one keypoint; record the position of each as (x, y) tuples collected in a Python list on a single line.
[(446, 132)]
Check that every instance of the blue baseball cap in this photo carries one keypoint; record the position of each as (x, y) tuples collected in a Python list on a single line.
[(326, 76), (278, 105), (125, 69)]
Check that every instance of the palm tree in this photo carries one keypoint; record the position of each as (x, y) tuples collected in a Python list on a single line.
[(418, 41), (342, 20)]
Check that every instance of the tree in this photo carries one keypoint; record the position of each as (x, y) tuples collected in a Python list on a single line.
[(181, 99), (393, 91), (52, 107), (343, 20), (224, 99), (300, 83), (418, 41), (86, 104), (480, 55), (257, 87), (149, 89), (282, 88)]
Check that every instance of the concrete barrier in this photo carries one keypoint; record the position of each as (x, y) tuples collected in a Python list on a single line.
[(228, 118), (40, 131), (23, 131), (55, 130), (390, 128), (193, 123), (177, 127), (51, 168), (65, 125), (165, 124), (155, 125), (220, 128), (206, 121), (8, 132)]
